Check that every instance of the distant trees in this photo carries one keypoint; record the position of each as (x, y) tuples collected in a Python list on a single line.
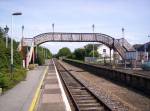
[(64, 52), (79, 53), (89, 50), (42, 54)]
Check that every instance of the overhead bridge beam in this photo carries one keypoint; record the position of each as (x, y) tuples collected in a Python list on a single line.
[(72, 37), (79, 37)]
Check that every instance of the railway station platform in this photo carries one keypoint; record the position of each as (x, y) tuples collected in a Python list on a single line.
[(20, 97), (52, 97)]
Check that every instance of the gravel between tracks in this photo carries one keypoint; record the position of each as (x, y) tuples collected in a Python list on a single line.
[(114, 95)]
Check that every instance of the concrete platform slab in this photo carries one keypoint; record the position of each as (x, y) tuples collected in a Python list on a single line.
[(51, 73), (52, 107), (51, 77), (51, 98), (51, 81), (52, 91), (51, 86)]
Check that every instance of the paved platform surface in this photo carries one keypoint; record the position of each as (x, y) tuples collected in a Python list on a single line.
[(51, 98), (20, 97)]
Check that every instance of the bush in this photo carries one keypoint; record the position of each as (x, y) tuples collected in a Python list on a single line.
[(6, 82)]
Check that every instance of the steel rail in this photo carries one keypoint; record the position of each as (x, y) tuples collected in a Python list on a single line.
[(82, 98)]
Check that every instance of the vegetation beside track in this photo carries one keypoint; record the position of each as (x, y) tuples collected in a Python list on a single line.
[(8, 79), (42, 54)]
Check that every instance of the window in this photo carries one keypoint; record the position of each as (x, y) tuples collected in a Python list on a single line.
[(104, 50)]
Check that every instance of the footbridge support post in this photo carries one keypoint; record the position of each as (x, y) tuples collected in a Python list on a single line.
[(110, 56)]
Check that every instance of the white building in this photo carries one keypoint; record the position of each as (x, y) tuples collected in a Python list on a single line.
[(104, 51)]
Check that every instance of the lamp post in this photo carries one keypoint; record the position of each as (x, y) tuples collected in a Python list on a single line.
[(122, 36), (148, 51), (12, 15), (22, 30), (53, 29), (93, 26), (6, 32)]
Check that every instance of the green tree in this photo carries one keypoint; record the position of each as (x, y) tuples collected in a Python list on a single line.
[(42, 54), (5, 52), (89, 48), (79, 53), (19, 73), (64, 52), (95, 53)]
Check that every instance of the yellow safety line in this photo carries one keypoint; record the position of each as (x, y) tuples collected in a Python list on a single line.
[(37, 93)]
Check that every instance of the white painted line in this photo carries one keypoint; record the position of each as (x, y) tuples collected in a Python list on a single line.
[(68, 108)]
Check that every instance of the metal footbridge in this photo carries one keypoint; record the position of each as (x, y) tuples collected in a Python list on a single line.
[(120, 45)]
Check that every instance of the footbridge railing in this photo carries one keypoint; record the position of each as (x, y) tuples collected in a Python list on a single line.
[(78, 37)]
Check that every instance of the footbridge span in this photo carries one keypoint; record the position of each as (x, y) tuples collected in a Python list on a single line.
[(119, 45)]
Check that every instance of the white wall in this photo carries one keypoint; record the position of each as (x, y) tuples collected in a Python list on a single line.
[(101, 48)]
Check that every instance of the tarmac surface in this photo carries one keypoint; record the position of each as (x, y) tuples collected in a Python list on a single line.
[(20, 97)]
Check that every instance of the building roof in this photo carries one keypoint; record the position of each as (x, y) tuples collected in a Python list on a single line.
[(141, 47)]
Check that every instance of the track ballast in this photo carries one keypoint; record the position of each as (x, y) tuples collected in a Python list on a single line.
[(83, 99)]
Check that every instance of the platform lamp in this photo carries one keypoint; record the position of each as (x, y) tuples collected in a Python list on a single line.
[(53, 29), (22, 29), (6, 29), (123, 37), (93, 26), (12, 15), (149, 36)]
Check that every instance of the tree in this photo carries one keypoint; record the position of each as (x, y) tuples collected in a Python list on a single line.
[(95, 54), (89, 48), (5, 53), (64, 52), (79, 53), (42, 54)]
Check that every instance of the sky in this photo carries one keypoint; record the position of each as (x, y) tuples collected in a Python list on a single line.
[(109, 16)]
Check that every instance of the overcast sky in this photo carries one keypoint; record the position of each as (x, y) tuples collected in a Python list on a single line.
[(109, 16)]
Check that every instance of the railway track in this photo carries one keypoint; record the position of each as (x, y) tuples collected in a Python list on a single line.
[(83, 99), (139, 82)]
